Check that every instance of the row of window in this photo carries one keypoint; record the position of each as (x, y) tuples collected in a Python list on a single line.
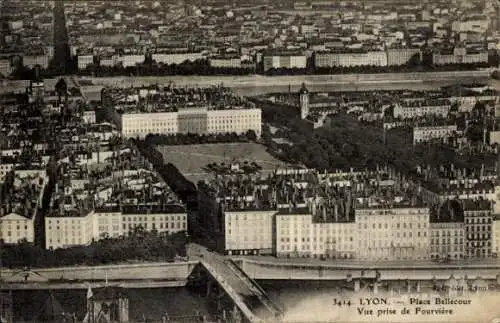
[(397, 226), (447, 233), (320, 239), (16, 233), (476, 220), (447, 249), (447, 241)]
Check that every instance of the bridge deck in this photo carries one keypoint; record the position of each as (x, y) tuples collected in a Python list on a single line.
[(244, 291)]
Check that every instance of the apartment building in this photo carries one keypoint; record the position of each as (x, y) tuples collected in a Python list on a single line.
[(191, 120), (495, 243), (447, 240), (395, 233), (72, 229), (460, 56), (226, 62), (398, 57), (135, 116), (31, 61), (478, 228), (428, 133), (275, 61), (84, 60), (20, 206), (249, 231), (176, 58), (370, 58), (301, 234), (410, 110)]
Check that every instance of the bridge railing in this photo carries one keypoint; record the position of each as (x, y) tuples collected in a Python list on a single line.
[(275, 307), (231, 292)]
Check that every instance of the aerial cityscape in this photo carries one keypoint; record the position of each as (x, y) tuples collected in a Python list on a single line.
[(228, 161)]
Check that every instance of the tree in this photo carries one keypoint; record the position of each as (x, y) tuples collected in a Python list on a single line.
[(251, 135)]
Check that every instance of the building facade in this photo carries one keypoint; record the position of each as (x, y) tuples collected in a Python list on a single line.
[(371, 58), (15, 227), (297, 235), (447, 240), (478, 231), (423, 134), (226, 62), (398, 57), (420, 110), (192, 120), (284, 61), (392, 233), (249, 232), (495, 230), (460, 56), (63, 231)]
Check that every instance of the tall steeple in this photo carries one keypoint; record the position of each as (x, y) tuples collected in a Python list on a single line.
[(304, 101)]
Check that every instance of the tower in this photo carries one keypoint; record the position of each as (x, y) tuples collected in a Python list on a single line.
[(304, 101)]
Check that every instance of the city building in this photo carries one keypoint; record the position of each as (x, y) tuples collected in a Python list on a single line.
[(249, 231), (478, 228), (495, 246), (447, 240), (20, 206), (84, 60), (222, 62), (428, 133), (80, 215), (298, 235), (176, 58), (284, 60), (460, 56), (369, 58), (215, 111), (402, 56), (72, 229), (415, 109), (395, 233)]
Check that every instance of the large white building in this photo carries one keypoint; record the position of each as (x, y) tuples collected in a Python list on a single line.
[(31, 61), (176, 58), (460, 56), (226, 62), (191, 120), (371, 58), (71, 229), (284, 61), (397, 57), (84, 60), (18, 211), (392, 233), (423, 134), (420, 109), (249, 232), (297, 235)]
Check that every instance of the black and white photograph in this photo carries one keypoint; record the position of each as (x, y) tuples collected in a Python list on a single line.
[(249, 161)]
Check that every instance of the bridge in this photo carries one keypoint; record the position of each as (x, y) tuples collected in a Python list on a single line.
[(248, 296), (206, 268), (232, 281)]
